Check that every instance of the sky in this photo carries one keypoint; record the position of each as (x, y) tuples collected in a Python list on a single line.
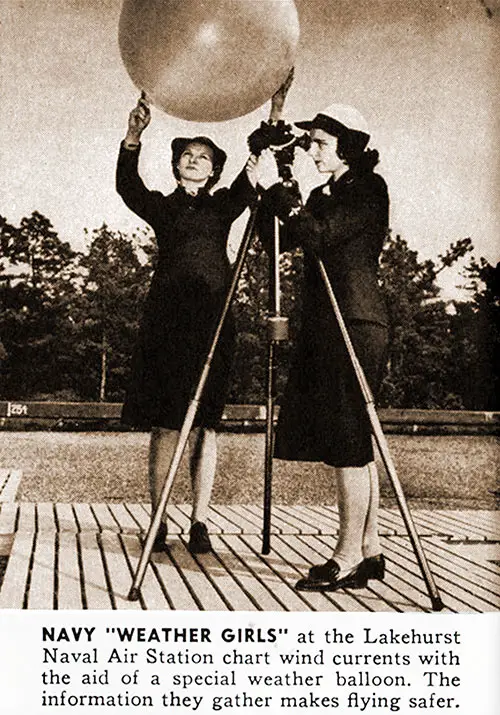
[(423, 73)]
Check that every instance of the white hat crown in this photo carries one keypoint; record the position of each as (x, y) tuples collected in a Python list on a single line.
[(348, 116)]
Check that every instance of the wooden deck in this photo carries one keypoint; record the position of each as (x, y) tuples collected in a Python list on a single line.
[(83, 556)]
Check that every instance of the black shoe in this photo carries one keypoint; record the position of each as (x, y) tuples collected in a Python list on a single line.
[(374, 567), (324, 572), (199, 541), (356, 578), (159, 544)]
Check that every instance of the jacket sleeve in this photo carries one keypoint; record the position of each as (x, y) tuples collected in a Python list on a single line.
[(364, 210), (238, 196), (130, 186)]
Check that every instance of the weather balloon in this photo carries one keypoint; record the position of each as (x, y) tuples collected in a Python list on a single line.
[(208, 60)]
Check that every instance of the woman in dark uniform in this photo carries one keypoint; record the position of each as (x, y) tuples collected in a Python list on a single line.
[(186, 295), (323, 416)]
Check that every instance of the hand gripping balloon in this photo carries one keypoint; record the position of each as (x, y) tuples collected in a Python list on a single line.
[(208, 61)]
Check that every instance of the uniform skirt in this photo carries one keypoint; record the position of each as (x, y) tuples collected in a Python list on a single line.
[(323, 416), (175, 336)]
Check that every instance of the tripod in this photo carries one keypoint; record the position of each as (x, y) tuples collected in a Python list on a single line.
[(277, 333)]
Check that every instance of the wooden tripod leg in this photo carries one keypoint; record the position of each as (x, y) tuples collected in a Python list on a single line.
[(437, 604)]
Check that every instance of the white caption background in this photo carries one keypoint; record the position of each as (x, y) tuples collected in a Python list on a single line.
[(184, 662)]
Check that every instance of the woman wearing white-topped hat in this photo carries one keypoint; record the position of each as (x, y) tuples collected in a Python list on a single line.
[(323, 416)]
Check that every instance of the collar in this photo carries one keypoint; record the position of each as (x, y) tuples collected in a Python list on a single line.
[(333, 185)]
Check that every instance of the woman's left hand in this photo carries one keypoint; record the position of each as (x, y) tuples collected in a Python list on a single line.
[(252, 170)]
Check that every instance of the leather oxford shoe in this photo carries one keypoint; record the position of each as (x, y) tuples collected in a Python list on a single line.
[(330, 581)]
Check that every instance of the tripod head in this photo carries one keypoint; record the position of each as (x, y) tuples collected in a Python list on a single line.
[(285, 156), (278, 137)]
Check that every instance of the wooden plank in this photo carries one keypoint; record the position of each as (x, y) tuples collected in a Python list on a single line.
[(245, 514), (65, 518), (445, 526), (178, 519), (328, 516), (85, 518), (482, 557), (455, 592), (15, 583), (60, 410), (218, 523), (424, 528), (404, 576), (174, 518), (230, 551), (8, 517), (470, 575), (140, 516), (127, 525), (69, 591), (26, 520), (152, 593), (307, 517), (326, 519), (278, 526), (118, 571), (296, 522), (8, 490), (178, 593), (491, 518), (390, 522), (97, 594), (223, 581), (104, 518), (206, 594), (485, 526), (45, 517), (4, 476), (41, 593), (241, 413), (255, 514), (268, 584), (237, 518), (279, 577)]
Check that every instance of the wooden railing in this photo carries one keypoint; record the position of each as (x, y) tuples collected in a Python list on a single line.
[(250, 416)]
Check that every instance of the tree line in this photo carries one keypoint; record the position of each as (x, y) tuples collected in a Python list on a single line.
[(69, 319)]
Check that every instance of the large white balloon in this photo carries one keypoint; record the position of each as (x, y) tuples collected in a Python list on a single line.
[(208, 60)]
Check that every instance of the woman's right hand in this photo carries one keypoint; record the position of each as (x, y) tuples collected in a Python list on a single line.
[(138, 120)]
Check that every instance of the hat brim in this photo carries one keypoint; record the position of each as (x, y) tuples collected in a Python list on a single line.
[(179, 144), (331, 126)]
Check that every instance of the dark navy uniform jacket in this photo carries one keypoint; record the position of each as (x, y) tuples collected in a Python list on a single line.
[(346, 222)]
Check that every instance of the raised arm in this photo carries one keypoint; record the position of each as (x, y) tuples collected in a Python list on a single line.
[(129, 184), (242, 193)]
